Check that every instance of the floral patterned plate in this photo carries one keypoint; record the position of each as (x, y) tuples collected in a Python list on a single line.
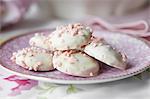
[(137, 51)]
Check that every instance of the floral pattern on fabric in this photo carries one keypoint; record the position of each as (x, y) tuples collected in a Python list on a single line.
[(22, 84)]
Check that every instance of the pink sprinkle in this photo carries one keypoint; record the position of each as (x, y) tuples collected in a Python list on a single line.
[(44, 51), (65, 53), (124, 57), (37, 34), (30, 68), (72, 60), (39, 63), (13, 58), (80, 33), (84, 54), (91, 74), (70, 26)]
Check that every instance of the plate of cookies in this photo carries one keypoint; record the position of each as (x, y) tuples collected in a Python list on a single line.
[(75, 54)]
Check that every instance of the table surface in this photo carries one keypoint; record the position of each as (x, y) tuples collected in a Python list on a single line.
[(14, 87)]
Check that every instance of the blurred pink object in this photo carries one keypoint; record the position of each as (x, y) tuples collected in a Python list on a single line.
[(12, 11), (138, 28)]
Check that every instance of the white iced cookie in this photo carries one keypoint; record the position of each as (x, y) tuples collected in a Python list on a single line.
[(103, 52), (72, 36), (75, 63), (41, 41), (34, 59)]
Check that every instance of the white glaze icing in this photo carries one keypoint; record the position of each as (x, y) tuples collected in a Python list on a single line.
[(105, 53), (41, 41), (76, 63), (72, 36), (34, 59)]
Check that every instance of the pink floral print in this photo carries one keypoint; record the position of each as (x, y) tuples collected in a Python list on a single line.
[(22, 84)]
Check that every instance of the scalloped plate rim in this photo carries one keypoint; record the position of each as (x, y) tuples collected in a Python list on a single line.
[(74, 81)]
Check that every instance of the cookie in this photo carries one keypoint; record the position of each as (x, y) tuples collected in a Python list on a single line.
[(34, 59), (76, 63), (72, 36), (100, 50), (41, 41)]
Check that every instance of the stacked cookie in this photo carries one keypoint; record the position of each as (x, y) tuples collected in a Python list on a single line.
[(71, 49)]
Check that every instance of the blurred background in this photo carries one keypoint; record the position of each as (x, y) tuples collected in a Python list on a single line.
[(75, 9), (26, 15)]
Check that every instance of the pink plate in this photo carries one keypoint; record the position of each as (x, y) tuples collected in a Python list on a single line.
[(137, 51)]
